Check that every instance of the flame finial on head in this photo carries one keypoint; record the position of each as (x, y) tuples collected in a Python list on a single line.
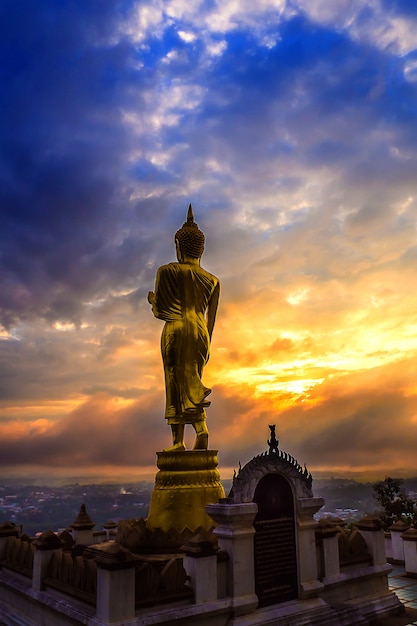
[(190, 215), (190, 237)]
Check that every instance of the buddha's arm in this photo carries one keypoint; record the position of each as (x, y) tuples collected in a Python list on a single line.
[(153, 296), (151, 300), (212, 309)]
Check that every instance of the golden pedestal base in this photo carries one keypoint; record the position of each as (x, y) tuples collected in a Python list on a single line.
[(186, 482)]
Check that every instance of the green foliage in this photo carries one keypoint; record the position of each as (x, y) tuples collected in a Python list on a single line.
[(396, 505)]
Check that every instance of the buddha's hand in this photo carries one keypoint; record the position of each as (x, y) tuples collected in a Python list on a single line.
[(151, 297)]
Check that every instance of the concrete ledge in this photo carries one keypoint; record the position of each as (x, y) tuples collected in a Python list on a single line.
[(40, 605), (285, 611), (192, 615), (357, 574), (378, 605)]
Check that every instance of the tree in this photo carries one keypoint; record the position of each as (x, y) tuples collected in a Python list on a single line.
[(396, 505)]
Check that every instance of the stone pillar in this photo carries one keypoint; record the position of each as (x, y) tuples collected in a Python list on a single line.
[(6, 530), (370, 527), (235, 533), (306, 531), (200, 564), (45, 546), (82, 528), (410, 551), (115, 582), (397, 530), (327, 539)]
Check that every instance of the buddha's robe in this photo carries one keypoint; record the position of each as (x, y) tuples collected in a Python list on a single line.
[(186, 298)]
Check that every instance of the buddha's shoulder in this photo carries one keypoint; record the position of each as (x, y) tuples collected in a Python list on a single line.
[(173, 267), (177, 268), (212, 277)]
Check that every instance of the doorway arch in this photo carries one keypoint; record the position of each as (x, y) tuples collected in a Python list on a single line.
[(275, 552)]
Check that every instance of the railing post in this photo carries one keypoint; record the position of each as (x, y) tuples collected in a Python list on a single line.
[(397, 529), (370, 527), (115, 582), (6, 530), (109, 527), (45, 546), (306, 534), (327, 539), (388, 545), (235, 533), (410, 551), (200, 564)]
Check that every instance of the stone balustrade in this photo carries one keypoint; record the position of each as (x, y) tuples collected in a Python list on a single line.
[(115, 585)]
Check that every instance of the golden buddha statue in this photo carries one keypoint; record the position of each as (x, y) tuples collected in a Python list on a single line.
[(186, 298)]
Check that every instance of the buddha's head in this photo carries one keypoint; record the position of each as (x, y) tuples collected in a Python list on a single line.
[(189, 238)]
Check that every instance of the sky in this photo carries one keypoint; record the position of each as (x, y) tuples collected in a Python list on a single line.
[(291, 127)]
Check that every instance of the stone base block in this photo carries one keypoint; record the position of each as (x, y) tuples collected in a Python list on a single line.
[(186, 483)]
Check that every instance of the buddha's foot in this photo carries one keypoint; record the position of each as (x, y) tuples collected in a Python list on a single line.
[(201, 442), (176, 447)]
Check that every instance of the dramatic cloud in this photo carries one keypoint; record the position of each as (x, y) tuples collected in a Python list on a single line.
[(292, 128)]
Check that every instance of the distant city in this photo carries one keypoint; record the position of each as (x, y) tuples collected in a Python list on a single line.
[(36, 509)]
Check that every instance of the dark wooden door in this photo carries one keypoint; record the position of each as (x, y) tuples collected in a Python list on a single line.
[(275, 550)]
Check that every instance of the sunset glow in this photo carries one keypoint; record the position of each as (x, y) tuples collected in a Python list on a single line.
[(292, 129)]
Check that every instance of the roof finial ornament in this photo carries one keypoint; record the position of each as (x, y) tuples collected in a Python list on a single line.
[(273, 443)]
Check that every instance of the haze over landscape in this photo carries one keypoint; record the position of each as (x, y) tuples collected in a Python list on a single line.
[(291, 127)]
